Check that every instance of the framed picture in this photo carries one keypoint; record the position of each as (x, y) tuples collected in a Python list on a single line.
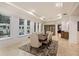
[(78, 26)]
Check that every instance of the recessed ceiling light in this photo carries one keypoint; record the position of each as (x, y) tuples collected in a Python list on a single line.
[(42, 18), (59, 4)]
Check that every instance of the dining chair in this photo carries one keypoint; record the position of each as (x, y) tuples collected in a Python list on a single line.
[(35, 40)]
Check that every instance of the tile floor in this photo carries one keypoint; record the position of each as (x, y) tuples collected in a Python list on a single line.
[(67, 49)]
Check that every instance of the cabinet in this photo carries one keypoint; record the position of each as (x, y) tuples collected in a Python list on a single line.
[(65, 35)]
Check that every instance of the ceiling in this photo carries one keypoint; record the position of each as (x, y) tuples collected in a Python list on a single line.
[(77, 11), (47, 10)]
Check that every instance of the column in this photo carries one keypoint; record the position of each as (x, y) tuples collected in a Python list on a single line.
[(14, 26)]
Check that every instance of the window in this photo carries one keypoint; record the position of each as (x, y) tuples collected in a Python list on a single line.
[(28, 26), (34, 27), (21, 21), (4, 26), (41, 27), (78, 25), (38, 27), (28, 22), (21, 26)]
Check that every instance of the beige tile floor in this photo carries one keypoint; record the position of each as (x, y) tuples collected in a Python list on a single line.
[(64, 49), (14, 50), (67, 49)]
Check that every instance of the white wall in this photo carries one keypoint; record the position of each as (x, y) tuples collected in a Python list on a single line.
[(39, 27), (25, 26), (74, 38), (14, 26), (65, 26), (69, 24), (32, 27), (73, 31), (65, 23)]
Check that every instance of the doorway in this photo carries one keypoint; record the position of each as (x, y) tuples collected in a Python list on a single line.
[(49, 28)]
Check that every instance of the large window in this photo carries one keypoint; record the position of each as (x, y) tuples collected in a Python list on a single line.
[(4, 26), (38, 27), (41, 27), (28, 26), (21, 26), (34, 26)]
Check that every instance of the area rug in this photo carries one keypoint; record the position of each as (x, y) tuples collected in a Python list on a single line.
[(44, 50)]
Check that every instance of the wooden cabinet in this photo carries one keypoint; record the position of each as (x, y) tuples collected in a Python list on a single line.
[(65, 35)]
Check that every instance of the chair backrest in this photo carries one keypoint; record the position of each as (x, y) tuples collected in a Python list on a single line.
[(49, 37), (47, 32), (34, 40)]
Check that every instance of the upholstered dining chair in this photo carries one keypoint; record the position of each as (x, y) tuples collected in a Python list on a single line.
[(49, 37), (34, 40), (47, 32)]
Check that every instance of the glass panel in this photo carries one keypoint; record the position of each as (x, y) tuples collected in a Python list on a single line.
[(21, 21), (38, 27), (4, 26), (41, 27), (28, 31), (28, 26), (34, 27), (21, 26), (28, 22)]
